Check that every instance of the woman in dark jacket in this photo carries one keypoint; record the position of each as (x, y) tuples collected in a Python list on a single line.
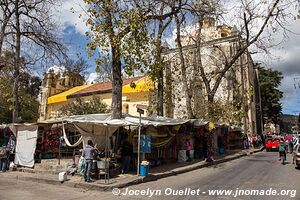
[(127, 152)]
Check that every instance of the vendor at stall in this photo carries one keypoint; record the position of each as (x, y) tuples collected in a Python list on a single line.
[(88, 154), (11, 148), (127, 152), (3, 158)]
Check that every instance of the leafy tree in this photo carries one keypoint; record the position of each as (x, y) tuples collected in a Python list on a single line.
[(80, 107), (28, 93), (118, 29), (27, 27), (160, 22), (253, 29), (29, 106), (270, 80), (30, 84)]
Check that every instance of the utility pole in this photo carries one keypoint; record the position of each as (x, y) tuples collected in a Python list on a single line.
[(140, 110)]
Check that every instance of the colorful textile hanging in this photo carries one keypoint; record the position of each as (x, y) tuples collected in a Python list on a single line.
[(53, 140), (211, 126), (161, 143), (176, 128), (130, 137), (155, 134)]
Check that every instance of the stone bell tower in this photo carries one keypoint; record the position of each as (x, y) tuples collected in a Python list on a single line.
[(46, 90), (56, 81)]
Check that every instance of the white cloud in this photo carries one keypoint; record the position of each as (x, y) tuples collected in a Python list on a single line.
[(57, 69), (188, 30), (91, 78), (286, 56), (68, 15)]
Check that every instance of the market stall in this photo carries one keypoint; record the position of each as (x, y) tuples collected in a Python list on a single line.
[(166, 137), (26, 137)]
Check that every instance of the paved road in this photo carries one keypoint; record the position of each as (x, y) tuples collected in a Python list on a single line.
[(260, 171)]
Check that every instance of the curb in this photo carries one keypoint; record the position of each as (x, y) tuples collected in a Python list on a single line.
[(188, 169), (95, 186), (36, 172)]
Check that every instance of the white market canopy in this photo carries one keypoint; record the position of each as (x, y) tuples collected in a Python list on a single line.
[(99, 127), (127, 120), (105, 119)]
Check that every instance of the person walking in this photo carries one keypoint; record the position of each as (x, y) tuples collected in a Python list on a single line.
[(88, 154), (291, 145), (282, 149), (245, 142)]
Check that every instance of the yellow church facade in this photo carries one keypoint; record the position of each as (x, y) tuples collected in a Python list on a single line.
[(135, 91)]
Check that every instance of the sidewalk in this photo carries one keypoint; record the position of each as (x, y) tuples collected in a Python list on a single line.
[(123, 180)]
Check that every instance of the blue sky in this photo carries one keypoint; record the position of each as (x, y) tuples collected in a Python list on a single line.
[(285, 57)]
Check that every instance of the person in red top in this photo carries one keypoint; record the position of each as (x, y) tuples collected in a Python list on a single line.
[(188, 148)]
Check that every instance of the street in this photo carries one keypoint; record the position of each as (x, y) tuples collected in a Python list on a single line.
[(261, 171)]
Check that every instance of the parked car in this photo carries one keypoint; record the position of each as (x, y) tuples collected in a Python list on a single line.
[(269, 142), (272, 144), (296, 156)]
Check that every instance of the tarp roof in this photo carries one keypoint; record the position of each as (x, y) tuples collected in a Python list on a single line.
[(129, 120), (199, 122), (106, 120), (17, 124), (14, 126)]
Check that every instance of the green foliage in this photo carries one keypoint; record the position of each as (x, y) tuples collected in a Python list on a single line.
[(270, 80), (28, 92), (80, 107), (122, 25), (28, 107), (219, 111)]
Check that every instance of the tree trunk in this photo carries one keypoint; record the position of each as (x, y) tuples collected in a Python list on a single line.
[(117, 83), (1, 39), (187, 89), (200, 70), (169, 109), (211, 108), (160, 79), (160, 93), (244, 99), (15, 113), (2, 35), (257, 94), (5, 18)]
